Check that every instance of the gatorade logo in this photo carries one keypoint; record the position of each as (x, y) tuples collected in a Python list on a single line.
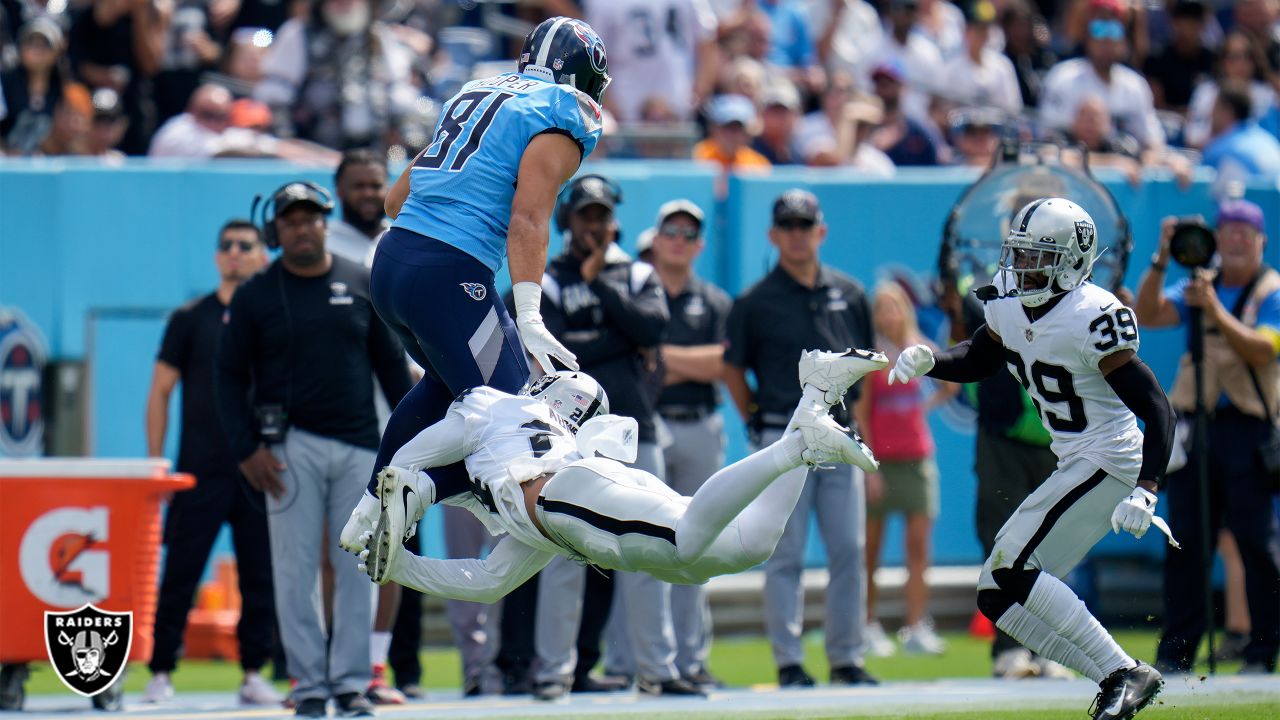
[(63, 559)]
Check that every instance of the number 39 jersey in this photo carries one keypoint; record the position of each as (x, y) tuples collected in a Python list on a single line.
[(509, 439), (1056, 359), (461, 187)]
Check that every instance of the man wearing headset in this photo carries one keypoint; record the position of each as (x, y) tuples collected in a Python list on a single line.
[(294, 389)]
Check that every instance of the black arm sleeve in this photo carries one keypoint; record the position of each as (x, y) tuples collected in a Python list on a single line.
[(974, 359), (1139, 390)]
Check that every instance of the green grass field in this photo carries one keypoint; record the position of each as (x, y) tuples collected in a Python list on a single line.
[(740, 662)]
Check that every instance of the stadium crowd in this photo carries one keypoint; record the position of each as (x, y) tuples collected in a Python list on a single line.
[(747, 83)]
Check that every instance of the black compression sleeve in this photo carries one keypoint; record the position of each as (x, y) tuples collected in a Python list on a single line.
[(1138, 389), (975, 359)]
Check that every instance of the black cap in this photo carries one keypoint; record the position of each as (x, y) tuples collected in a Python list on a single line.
[(796, 204), (1194, 9), (299, 192), (591, 191)]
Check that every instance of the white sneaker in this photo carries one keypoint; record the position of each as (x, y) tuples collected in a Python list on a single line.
[(828, 443), (257, 691), (835, 372), (363, 516), (402, 507), (877, 641), (1053, 670), (158, 689), (1015, 664), (920, 639)]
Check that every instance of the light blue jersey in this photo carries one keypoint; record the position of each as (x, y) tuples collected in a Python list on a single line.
[(460, 189)]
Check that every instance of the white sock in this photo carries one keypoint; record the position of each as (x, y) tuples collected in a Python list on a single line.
[(1055, 604), (728, 492), (1032, 632), (379, 647)]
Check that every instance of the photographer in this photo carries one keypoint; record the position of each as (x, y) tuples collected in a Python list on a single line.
[(1241, 311), (300, 347)]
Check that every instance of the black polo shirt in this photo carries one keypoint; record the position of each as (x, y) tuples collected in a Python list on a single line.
[(778, 318), (313, 346), (699, 316), (190, 346)]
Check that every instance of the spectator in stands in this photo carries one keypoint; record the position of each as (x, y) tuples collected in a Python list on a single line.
[(817, 131), (733, 124), (1239, 146), (69, 133), (189, 51), (663, 50), (1026, 44), (1077, 19), (1240, 62), (1107, 146), (198, 131), (860, 119), (849, 32), (33, 89), (918, 57), (1241, 314), (1100, 73), (743, 75), (1256, 20), (904, 139), (221, 495), (980, 75), (265, 14), (692, 363), (118, 44), (361, 185), (975, 135), (892, 420), (764, 337), (941, 23), (108, 127), (1184, 62), (779, 113), (340, 79), (241, 67)]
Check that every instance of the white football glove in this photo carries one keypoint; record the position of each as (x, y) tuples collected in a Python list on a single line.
[(912, 363), (534, 335), (1133, 514)]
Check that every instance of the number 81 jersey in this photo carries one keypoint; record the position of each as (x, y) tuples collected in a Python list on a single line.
[(1056, 359)]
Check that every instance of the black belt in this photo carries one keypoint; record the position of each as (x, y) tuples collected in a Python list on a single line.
[(685, 413)]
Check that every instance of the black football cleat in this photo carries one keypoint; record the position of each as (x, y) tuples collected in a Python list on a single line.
[(1127, 691)]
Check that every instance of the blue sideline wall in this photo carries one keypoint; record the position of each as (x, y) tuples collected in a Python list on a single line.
[(98, 255)]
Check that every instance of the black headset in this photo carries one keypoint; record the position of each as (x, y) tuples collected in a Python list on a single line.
[(291, 191), (562, 209)]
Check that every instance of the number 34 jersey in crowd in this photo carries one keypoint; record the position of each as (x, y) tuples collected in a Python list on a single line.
[(461, 187), (1056, 359), (506, 440)]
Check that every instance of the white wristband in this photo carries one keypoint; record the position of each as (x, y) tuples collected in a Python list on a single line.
[(528, 297)]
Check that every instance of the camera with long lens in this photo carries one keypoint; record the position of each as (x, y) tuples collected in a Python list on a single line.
[(1193, 243)]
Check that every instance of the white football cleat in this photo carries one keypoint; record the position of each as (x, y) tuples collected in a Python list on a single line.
[(827, 443), (363, 516), (402, 507), (834, 373)]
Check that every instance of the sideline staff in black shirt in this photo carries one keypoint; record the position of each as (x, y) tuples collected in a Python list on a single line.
[(304, 335)]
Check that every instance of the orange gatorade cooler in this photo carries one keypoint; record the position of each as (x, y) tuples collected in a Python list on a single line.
[(76, 532)]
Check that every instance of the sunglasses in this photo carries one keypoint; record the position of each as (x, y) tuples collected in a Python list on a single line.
[(794, 224), (1106, 30), (245, 246), (684, 233)]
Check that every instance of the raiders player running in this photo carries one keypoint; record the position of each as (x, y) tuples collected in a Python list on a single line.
[(1073, 346), (530, 479)]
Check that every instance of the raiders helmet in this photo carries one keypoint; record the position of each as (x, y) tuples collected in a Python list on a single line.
[(573, 395), (1053, 236), (567, 51)]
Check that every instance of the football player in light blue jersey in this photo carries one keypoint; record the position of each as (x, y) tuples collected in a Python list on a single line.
[(483, 189)]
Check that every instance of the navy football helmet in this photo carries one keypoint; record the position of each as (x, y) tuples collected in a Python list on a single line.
[(568, 52)]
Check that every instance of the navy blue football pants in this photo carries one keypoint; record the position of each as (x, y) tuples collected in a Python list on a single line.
[(443, 305)]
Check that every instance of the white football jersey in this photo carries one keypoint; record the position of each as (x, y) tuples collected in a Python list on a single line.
[(1056, 359), (509, 439)]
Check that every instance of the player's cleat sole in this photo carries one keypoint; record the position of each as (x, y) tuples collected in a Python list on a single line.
[(399, 497), (363, 516), (827, 443), (835, 372)]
